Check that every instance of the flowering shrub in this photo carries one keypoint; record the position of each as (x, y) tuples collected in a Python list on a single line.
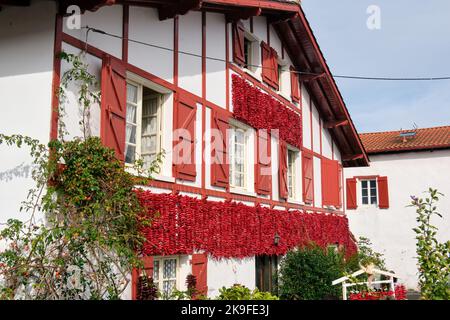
[(400, 294)]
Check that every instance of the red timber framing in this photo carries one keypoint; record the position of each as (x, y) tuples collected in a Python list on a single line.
[(174, 187)]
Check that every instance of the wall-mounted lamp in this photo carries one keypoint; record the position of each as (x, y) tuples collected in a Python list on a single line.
[(276, 239)]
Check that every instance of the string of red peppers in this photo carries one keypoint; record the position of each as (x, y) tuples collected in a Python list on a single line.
[(261, 111), (400, 294), (183, 224)]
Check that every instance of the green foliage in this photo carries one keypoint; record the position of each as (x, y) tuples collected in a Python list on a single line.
[(307, 273), (240, 292), (90, 240), (433, 256), (365, 256)]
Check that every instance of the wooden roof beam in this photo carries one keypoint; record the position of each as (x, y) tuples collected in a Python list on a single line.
[(243, 14), (352, 157), (84, 5), (181, 8), (331, 124)]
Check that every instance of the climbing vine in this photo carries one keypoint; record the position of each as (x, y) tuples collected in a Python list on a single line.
[(81, 235)]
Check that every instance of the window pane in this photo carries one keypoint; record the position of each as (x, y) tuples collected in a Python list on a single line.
[(156, 270), (239, 136), (168, 286), (169, 270), (373, 184), (364, 192), (373, 200), (130, 152), (148, 144), (373, 193), (365, 200), (131, 134), (132, 93), (131, 113), (149, 125), (364, 184)]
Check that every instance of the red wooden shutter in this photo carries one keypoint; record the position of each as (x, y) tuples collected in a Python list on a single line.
[(282, 171), (330, 182), (351, 194), (295, 91), (113, 105), (263, 177), (185, 110), (220, 172), (136, 274), (274, 69), (340, 186), (238, 43), (308, 191), (267, 66), (383, 194), (200, 271)]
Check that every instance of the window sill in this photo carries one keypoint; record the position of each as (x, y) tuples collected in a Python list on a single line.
[(294, 201), (243, 192), (252, 74), (158, 177)]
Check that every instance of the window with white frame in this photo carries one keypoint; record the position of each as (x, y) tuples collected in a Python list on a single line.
[(143, 128), (165, 275), (238, 149), (251, 52), (291, 173), (369, 192)]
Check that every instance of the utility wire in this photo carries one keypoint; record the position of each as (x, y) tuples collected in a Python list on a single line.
[(259, 66)]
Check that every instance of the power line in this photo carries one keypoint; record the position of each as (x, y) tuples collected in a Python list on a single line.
[(259, 66)]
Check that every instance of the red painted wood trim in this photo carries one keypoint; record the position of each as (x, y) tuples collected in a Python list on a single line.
[(175, 50), (227, 67), (332, 149), (312, 146), (57, 48), (175, 187), (203, 180), (320, 134), (366, 177), (125, 28)]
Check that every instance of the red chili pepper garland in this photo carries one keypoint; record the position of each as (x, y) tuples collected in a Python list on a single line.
[(261, 111), (182, 224), (400, 294)]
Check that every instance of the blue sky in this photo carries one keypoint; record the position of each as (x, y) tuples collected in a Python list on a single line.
[(414, 41)]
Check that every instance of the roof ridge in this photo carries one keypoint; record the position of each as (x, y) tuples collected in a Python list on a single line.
[(395, 131)]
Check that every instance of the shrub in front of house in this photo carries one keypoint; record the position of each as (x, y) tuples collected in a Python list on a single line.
[(307, 273)]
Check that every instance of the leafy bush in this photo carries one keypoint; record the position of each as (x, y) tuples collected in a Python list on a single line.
[(433, 256), (240, 292), (307, 273)]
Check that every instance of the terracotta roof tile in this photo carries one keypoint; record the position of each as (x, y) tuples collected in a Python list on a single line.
[(391, 141)]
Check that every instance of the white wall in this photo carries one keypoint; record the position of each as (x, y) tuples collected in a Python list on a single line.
[(108, 19), (190, 41), (215, 48), (26, 69), (317, 168), (144, 26), (306, 120), (390, 230), (226, 272), (73, 110)]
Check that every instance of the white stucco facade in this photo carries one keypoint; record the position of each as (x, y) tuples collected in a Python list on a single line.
[(390, 230), (27, 37)]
